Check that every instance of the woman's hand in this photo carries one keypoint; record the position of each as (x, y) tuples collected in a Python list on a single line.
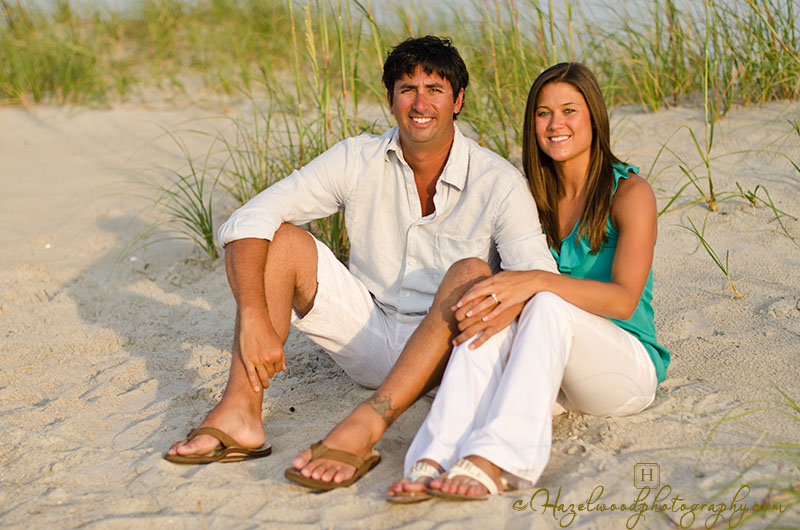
[(476, 324), (493, 304), (496, 294)]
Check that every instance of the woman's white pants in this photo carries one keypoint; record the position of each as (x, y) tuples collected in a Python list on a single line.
[(497, 401)]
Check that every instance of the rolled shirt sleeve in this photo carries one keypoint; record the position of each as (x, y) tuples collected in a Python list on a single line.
[(483, 209), (520, 241), (315, 191)]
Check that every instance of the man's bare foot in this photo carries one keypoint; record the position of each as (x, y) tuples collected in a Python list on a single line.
[(241, 423), (463, 485), (414, 484), (356, 434)]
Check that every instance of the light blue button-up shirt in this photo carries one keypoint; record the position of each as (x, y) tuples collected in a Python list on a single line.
[(483, 209)]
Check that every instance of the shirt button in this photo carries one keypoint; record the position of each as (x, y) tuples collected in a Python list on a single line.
[(411, 261), (407, 295)]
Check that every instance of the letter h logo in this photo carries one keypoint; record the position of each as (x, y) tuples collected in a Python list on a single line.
[(646, 475)]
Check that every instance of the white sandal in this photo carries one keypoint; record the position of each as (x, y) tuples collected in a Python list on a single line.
[(466, 468), (420, 470)]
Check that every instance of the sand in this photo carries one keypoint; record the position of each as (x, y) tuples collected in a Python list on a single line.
[(106, 358)]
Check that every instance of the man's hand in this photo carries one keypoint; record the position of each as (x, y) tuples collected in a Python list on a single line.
[(261, 350)]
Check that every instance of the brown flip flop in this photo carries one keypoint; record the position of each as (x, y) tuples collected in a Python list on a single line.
[(229, 450), (320, 450)]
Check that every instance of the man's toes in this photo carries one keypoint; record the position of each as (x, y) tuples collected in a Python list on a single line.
[(309, 469), (177, 446), (332, 473), (199, 446), (325, 471), (344, 473), (315, 469), (318, 471), (184, 448), (301, 460)]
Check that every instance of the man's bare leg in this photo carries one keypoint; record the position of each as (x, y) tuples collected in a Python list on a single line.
[(290, 278), (418, 369)]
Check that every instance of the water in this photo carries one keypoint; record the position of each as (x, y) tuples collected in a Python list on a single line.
[(602, 9), (598, 12), (81, 5)]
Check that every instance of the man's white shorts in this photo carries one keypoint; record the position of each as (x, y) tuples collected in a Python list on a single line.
[(346, 322)]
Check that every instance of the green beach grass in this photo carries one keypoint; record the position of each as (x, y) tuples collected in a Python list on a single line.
[(314, 66), (654, 57), (311, 72)]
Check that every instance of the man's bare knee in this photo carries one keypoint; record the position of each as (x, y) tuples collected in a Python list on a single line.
[(293, 251), (461, 275), (468, 269), (291, 240)]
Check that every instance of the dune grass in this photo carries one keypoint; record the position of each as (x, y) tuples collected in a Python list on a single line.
[(722, 264), (182, 202), (796, 128), (70, 55), (779, 495), (50, 57), (317, 63), (651, 57)]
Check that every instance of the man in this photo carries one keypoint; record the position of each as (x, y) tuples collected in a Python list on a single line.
[(418, 199)]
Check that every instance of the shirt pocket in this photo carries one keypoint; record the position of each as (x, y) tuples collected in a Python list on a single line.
[(450, 249)]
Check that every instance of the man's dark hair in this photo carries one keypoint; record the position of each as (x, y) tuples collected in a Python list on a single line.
[(434, 55)]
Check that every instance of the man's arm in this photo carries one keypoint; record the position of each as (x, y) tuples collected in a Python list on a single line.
[(522, 246), (260, 348), (317, 190), (521, 243)]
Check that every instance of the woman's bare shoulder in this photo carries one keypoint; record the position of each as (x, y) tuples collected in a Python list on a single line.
[(634, 199)]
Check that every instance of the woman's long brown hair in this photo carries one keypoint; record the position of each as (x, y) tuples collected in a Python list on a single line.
[(539, 168)]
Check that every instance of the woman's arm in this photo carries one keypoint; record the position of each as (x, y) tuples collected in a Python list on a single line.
[(633, 214)]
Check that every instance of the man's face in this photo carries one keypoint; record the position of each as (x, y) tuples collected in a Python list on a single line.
[(423, 106)]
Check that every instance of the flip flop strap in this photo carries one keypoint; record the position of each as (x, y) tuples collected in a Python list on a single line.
[(320, 450), (224, 439), (467, 469), (422, 470)]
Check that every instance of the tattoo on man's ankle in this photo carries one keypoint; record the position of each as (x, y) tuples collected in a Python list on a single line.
[(383, 408)]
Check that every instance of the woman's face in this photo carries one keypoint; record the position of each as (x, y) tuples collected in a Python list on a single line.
[(563, 124)]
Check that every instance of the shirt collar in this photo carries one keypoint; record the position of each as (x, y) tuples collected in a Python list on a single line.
[(455, 169)]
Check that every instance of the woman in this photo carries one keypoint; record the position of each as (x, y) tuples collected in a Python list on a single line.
[(585, 340)]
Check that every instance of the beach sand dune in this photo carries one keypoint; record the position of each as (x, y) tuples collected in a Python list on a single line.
[(107, 358)]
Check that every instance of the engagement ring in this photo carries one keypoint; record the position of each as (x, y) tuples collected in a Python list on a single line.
[(494, 296)]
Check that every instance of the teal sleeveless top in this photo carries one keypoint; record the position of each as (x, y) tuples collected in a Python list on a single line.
[(576, 260)]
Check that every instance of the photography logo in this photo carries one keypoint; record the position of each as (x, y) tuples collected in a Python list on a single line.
[(646, 475)]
